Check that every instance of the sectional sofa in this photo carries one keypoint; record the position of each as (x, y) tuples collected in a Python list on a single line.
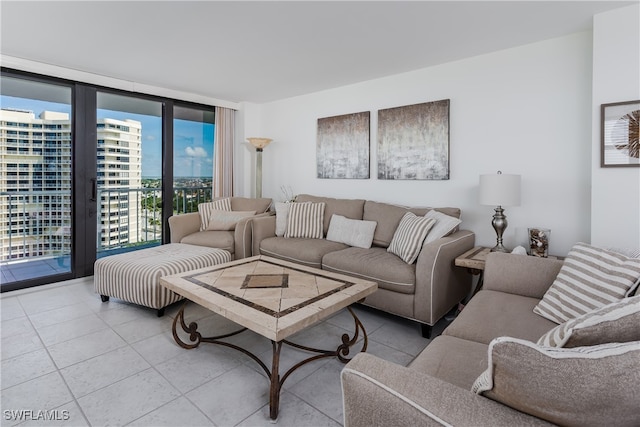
[(424, 290), (499, 363)]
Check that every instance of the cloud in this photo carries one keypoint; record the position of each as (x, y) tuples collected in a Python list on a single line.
[(195, 152)]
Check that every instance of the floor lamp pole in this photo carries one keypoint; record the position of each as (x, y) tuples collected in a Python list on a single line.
[(258, 173)]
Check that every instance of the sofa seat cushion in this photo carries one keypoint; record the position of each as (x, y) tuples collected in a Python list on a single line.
[(374, 264), (213, 239), (456, 361), (300, 250), (492, 314)]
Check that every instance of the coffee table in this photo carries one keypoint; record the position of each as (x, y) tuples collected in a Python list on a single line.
[(273, 298)]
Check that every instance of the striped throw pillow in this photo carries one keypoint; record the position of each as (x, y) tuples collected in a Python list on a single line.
[(590, 278), (615, 322), (409, 236), (207, 209), (305, 220)]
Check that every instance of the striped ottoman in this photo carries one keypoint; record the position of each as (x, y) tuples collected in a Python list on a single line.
[(134, 276)]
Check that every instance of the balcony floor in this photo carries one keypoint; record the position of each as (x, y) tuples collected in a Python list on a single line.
[(31, 269)]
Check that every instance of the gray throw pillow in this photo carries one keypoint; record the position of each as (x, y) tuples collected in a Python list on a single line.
[(206, 209), (409, 236), (583, 386)]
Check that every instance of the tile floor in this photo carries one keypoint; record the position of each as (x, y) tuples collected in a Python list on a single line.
[(67, 355)]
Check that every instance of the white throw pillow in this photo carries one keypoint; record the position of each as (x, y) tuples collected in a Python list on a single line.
[(282, 216), (445, 224), (205, 209), (352, 232), (589, 278), (226, 220), (305, 220), (409, 236)]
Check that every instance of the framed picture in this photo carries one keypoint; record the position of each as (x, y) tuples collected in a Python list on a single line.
[(413, 142), (619, 134), (342, 147)]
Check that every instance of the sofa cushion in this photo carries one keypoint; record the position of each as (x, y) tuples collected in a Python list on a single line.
[(205, 210), (213, 239), (615, 322), (352, 232), (260, 205), (584, 386), (350, 208), (445, 225), (492, 314), (305, 220), (303, 251), (388, 217), (226, 220), (409, 236), (375, 264), (456, 361), (590, 278)]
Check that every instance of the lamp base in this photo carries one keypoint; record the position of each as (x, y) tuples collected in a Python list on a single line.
[(499, 224), (499, 248)]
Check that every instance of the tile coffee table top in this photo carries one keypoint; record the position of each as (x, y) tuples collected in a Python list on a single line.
[(272, 297)]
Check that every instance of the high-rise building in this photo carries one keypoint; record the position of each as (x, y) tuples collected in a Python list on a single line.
[(35, 183), (36, 180), (119, 181)]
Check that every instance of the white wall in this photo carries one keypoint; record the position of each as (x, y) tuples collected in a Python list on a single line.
[(615, 204), (525, 110)]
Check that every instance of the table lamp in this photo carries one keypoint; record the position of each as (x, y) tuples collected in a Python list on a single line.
[(499, 190)]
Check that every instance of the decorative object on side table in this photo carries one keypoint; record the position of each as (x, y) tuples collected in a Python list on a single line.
[(539, 242), (620, 134), (259, 144), (499, 190)]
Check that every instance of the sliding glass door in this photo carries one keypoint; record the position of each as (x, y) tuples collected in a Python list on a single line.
[(36, 180), (129, 173)]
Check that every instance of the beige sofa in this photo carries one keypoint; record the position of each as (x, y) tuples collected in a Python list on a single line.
[(435, 389), (185, 228), (423, 291)]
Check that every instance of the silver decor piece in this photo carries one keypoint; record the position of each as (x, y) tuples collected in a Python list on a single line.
[(499, 190)]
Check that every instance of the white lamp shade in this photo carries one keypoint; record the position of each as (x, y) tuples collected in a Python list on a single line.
[(500, 190)]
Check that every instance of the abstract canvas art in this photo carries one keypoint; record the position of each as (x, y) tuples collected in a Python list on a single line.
[(413, 142), (342, 147), (620, 134)]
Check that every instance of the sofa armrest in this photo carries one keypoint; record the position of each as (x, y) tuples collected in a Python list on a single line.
[(182, 225), (261, 228), (377, 392), (243, 236), (439, 284), (528, 276)]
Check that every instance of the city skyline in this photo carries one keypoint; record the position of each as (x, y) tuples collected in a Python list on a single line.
[(193, 141)]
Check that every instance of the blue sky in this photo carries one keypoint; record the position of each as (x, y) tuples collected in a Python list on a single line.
[(193, 141)]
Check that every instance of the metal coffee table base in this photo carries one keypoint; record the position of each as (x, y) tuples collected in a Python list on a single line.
[(274, 373)]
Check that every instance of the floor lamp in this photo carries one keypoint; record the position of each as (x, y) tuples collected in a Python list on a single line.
[(499, 190), (259, 144)]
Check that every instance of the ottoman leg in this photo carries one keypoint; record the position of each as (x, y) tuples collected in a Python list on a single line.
[(104, 298), (161, 312)]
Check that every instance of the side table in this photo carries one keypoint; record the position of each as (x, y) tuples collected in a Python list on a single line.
[(473, 260)]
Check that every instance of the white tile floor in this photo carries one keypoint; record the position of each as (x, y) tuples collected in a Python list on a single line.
[(67, 355)]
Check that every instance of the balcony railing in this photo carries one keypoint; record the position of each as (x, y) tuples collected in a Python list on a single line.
[(36, 225)]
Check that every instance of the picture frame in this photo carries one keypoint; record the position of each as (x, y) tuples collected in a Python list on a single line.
[(413, 142), (343, 145), (619, 128)]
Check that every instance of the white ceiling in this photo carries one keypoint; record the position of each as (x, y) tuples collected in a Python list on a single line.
[(263, 51)]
